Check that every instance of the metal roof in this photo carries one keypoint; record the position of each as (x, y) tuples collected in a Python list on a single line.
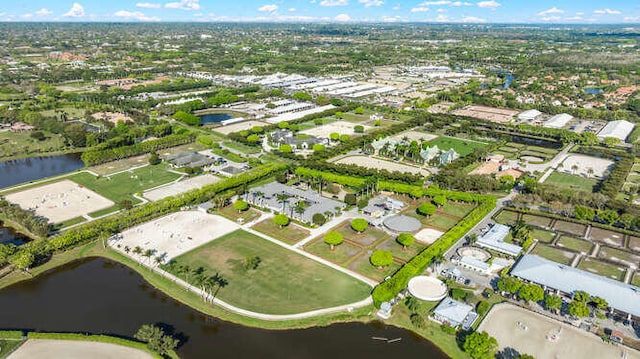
[(494, 239), (620, 296), (618, 129), (453, 311)]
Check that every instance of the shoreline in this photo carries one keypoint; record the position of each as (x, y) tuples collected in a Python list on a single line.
[(432, 333)]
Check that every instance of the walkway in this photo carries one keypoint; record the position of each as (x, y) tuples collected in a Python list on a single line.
[(553, 164)]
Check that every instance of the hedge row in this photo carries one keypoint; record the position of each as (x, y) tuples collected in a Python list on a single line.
[(99, 338), (391, 287), (11, 334), (388, 289), (96, 156)]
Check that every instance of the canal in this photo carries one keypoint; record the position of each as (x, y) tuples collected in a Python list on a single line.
[(101, 296)]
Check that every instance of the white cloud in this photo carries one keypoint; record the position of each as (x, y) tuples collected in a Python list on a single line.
[(441, 10), (573, 18), (184, 5), (607, 11), (491, 4), (268, 8), (550, 18), (434, 3), (369, 3), (44, 12), (397, 7), (342, 18), (553, 10), (442, 18), (148, 5), (26, 16), (292, 9), (473, 19), (626, 18), (334, 2), (76, 11), (134, 15), (420, 9), (392, 18), (460, 3)]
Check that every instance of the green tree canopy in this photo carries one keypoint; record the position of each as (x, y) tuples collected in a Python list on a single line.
[(578, 309), (440, 200), (318, 147), (285, 148), (334, 136), (509, 284), (406, 239), (581, 296), (240, 205), (333, 239), (359, 224), (319, 219), (480, 345), (552, 302), (531, 292), (156, 339), (381, 258), (281, 220), (426, 209)]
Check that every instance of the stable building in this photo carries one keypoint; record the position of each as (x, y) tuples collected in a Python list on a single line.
[(454, 313), (529, 115), (623, 298), (616, 129), (494, 240), (558, 121)]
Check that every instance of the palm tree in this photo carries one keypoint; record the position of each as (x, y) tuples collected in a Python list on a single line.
[(590, 171), (282, 198), (148, 254), (158, 260), (137, 250), (574, 168)]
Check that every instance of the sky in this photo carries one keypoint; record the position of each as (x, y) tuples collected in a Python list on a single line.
[(340, 11)]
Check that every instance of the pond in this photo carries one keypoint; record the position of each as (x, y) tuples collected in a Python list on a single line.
[(29, 169), (9, 235), (101, 296), (215, 118)]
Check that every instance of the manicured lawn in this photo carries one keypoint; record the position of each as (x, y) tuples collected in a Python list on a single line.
[(69, 222), (370, 236), (463, 147), (284, 282), (441, 221), (543, 236), (7, 346), (618, 255), (123, 185), (457, 209), (635, 280), (539, 221), (604, 269), (340, 254), (364, 267), (553, 254), (242, 147), (507, 217), (290, 234), (569, 181), (575, 244), (396, 249), (231, 213)]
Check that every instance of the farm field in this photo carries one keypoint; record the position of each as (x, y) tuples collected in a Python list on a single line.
[(284, 282), (463, 147), (572, 182)]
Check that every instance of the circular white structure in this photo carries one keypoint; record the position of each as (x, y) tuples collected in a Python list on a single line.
[(427, 288), (402, 223)]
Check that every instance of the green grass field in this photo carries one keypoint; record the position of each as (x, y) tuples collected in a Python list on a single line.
[(457, 209), (290, 234), (463, 147), (231, 213), (575, 244), (635, 280), (507, 217), (18, 144), (617, 255), (441, 221), (364, 267), (538, 221), (553, 254), (340, 254), (568, 181), (284, 283), (543, 236), (604, 269), (123, 186)]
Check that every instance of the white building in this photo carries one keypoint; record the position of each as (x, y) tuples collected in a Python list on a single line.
[(529, 115), (558, 121), (494, 240), (455, 313), (618, 129)]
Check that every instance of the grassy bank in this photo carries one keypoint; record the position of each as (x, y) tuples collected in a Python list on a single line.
[(367, 314)]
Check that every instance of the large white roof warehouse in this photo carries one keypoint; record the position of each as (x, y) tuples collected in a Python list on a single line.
[(620, 296), (558, 121), (619, 129)]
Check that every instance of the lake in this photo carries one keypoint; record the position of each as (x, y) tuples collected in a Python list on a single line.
[(29, 169), (102, 296), (215, 117)]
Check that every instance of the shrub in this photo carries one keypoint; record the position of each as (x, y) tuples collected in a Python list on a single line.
[(359, 224), (281, 220), (381, 258)]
